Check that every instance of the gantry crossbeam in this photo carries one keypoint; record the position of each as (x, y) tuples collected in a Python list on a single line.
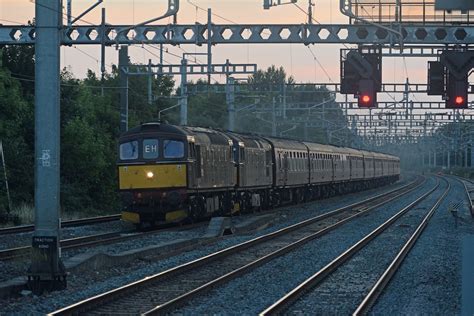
[(197, 34), (401, 105), (190, 69), (437, 117), (305, 88)]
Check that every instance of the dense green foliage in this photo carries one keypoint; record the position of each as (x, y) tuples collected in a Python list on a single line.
[(90, 123)]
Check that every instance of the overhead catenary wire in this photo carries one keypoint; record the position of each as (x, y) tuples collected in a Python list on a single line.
[(63, 14)]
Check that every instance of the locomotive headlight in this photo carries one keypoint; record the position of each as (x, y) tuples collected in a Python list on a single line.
[(150, 175)]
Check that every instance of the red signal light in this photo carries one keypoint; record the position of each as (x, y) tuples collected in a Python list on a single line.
[(459, 100), (365, 98)]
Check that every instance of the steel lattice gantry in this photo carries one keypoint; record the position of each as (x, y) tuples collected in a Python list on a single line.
[(197, 34)]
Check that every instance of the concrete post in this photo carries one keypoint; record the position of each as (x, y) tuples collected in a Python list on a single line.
[(183, 101), (46, 268), (123, 79), (274, 123), (150, 82), (230, 99)]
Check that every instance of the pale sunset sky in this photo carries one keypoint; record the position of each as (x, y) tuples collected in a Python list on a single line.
[(296, 59)]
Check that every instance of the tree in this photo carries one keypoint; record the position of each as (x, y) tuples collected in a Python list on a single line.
[(15, 132)]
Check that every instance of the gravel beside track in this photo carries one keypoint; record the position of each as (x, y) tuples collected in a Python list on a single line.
[(89, 284), (253, 292), (429, 280), (17, 267), (345, 288), (271, 281), (24, 239)]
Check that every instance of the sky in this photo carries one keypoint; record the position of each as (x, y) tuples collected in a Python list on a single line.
[(297, 59)]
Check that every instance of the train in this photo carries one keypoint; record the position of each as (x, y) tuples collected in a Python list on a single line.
[(170, 173)]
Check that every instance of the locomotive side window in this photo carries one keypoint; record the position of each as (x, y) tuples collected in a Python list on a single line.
[(173, 149), (129, 151), (150, 148)]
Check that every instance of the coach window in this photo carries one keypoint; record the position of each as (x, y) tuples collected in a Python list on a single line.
[(173, 149), (150, 148), (129, 151)]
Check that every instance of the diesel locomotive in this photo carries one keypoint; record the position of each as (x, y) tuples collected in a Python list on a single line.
[(170, 173)]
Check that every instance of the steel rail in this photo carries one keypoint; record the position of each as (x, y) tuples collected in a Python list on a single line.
[(70, 223), (383, 281), (93, 240), (175, 303), (469, 192), (283, 303), (110, 296), (18, 252)]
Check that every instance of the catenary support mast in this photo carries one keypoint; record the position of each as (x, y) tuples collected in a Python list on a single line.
[(46, 266)]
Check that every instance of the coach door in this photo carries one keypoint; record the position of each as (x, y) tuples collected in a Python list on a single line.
[(242, 166), (286, 165)]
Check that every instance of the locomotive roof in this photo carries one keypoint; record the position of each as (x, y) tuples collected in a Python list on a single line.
[(214, 136), (286, 143), (324, 148), (250, 140), (155, 127)]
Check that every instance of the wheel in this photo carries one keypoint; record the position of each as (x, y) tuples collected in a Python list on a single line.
[(196, 209)]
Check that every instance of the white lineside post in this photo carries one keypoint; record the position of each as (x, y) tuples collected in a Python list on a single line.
[(5, 178)]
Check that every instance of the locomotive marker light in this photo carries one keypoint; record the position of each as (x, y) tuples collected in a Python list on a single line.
[(150, 175)]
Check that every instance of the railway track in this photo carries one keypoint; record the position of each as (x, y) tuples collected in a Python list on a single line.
[(167, 290), (318, 279), (71, 223), (469, 187), (19, 252), (92, 240)]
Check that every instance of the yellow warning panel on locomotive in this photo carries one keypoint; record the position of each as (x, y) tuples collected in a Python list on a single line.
[(152, 176), (130, 217), (176, 215)]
